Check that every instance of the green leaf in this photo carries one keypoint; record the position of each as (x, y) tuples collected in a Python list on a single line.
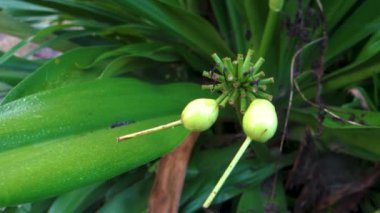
[(360, 141), (256, 11), (20, 64), (236, 26), (40, 35), (127, 63), (194, 30), (219, 8), (137, 30), (251, 201), (60, 39), (12, 26), (75, 201), (78, 108), (148, 50), (59, 165), (248, 172), (259, 198), (80, 9), (132, 199), (362, 22), (358, 93), (59, 71), (12, 77), (371, 48), (4, 88), (331, 7), (14, 49), (124, 181), (41, 206), (344, 77)]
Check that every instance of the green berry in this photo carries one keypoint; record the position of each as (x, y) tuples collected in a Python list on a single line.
[(200, 114), (260, 120)]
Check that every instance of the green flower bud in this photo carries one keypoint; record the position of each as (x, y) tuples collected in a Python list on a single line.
[(260, 120), (200, 114)]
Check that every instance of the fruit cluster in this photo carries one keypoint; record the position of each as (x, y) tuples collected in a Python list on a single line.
[(239, 81), (259, 121)]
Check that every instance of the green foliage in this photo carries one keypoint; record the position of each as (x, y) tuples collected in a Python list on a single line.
[(126, 60)]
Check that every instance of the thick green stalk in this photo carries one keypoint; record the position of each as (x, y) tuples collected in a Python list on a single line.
[(270, 26)]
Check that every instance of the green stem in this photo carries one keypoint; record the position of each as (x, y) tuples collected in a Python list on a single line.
[(224, 101), (251, 96), (243, 101), (270, 26), (221, 97), (219, 62), (257, 65), (240, 61), (234, 96), (264, 95), (226, 173), (231, 71), (266, 81), (149, 131), (212, 87), (250, 78), (247, 61)]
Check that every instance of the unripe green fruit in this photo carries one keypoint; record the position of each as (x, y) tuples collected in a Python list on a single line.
[(260, 120), (200, 114)]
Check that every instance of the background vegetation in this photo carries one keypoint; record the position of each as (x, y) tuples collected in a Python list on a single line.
[(139, 63)]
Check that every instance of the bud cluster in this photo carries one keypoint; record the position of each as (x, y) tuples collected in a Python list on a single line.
[(240, 81)]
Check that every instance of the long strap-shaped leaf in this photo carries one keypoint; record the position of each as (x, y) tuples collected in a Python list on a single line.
[(35, 172), (82, 107), (194, 30), (58, 71)]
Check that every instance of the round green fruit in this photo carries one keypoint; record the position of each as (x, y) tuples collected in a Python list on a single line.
[(260, 120), (200, 114)]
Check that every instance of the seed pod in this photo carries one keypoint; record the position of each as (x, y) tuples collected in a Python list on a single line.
[(260, 120), (200, 114)]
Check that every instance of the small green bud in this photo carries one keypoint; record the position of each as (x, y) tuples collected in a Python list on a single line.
[(200, 114), (260, 120)]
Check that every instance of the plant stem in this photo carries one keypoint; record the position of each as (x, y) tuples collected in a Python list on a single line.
[(148, 131), (227, 172), (270, 26)]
